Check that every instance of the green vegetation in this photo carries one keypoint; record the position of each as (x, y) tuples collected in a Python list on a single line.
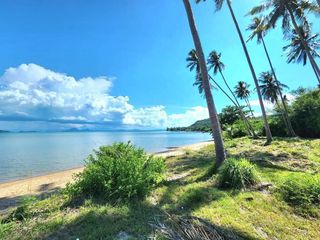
[(237, 174), (301, 192), (304, 115), (118, 172), (191, 191)]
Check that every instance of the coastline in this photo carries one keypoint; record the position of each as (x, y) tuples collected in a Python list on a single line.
[(12, 191)]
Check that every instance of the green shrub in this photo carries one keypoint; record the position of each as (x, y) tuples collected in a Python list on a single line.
[(306, 114), (237, 174), (302, 191), (118, 172)]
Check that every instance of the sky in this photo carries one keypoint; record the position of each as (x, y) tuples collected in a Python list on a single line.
[(121, 63)]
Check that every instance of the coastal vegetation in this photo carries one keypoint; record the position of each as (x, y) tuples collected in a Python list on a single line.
[(261, 182), (118, 172), (281, 199), (303, 113)]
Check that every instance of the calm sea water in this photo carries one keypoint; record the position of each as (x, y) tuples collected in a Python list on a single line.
[(30, 154)]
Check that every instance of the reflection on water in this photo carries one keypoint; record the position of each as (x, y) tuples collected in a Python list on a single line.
[(30, 154)]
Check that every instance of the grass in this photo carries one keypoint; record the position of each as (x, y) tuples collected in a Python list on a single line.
[(190, 190)]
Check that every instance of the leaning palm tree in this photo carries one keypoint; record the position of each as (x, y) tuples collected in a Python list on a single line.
[(291, 12), (215, 124), (258, 31), (242, 92), (215, 63), (219, 4), (270, 89), (296, 51)]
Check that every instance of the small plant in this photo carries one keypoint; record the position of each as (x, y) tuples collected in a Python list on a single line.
[(237, 174), (118, 172), (23, 211), (302, 191)]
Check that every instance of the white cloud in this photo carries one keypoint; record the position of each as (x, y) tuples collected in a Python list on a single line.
[(149, 117), (189, 117), (157, 116), (31, 92), (44, 94)]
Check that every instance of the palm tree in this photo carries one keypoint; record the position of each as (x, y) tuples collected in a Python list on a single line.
[(258, 29), (242, 91), (270, 89), (297, 52), (219, 4), (290, 12), (215, 63), (215, 124)]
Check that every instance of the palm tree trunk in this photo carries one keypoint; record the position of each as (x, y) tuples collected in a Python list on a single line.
[(286, 115), (264, 115), (315, 71), (282, 115), (215, 124), (305, 45), (246, 122), (249, 106)]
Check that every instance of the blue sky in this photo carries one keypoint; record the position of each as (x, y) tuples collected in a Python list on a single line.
[(124, 59)]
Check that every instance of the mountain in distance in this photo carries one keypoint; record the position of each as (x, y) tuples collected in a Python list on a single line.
[(198, 126)]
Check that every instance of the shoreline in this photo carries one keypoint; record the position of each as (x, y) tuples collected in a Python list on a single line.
[(12, 191)]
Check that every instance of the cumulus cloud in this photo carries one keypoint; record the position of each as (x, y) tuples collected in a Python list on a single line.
[(42, 94), (158, 117), (31, 93)]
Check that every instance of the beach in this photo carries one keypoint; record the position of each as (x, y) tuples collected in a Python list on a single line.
[(13, 191)]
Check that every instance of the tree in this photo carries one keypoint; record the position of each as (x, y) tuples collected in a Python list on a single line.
[(242, 92), (291, 12), (229, 115), (296, 52), (306, 113), (219, 4), (270, 89), (215, 63), (215, 124), (257, 28)]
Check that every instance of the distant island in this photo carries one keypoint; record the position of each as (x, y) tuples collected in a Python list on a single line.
[(3, 131)]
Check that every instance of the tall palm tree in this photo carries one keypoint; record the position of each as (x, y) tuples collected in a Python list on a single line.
[(258, 30), (242, 92), (215, 63), (297, 52), (215, 124), (219, 4), (193, 64), (291, 12), (270, 89)]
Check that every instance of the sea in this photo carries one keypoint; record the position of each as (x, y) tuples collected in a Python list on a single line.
[(24, 155)]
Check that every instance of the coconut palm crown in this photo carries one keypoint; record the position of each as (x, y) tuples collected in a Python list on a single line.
[(295, 50), (270, 87)]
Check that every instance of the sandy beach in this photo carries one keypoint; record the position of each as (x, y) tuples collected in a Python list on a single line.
[(11, 192)]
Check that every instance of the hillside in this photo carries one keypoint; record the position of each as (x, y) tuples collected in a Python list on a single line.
[(198, 126)]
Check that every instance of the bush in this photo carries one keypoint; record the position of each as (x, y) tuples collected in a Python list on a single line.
[(118, 172), (277, 126), (237, 174), (306, 114), (302, 191)]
